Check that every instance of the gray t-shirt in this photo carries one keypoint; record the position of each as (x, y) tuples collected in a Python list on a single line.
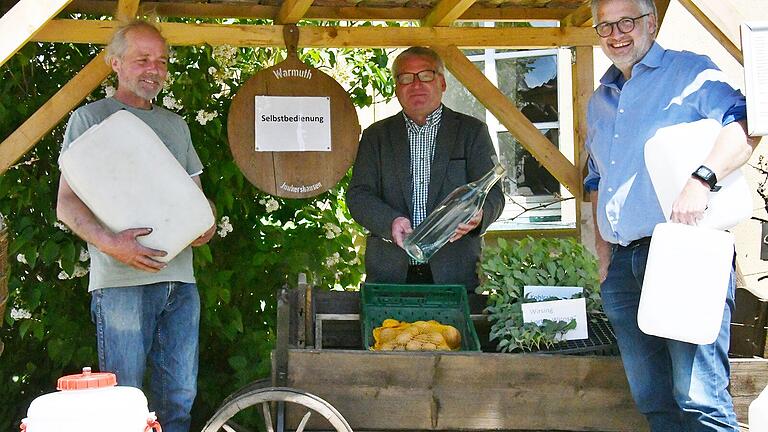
[(106, 272)]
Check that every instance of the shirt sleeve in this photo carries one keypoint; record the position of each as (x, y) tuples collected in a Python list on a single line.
[(76, 126), (592, 180), (714, 96)]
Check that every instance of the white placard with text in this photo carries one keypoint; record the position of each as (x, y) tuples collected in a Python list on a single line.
[(566, 309), (293, 123), (754, 41)]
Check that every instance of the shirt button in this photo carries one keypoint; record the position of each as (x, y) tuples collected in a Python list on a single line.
[(613, 162), (616, 136), (610, 189), (621, 111)]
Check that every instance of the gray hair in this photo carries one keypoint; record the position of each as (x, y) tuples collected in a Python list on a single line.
[(646, 7), (418, 51), (119, 42)]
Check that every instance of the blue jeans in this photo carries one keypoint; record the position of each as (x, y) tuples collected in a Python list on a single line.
[(157, 326), (677, 386)]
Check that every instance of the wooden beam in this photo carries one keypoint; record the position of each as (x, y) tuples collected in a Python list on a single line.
[(51, 113), (355, 13), (706, 15), (22, 21), (579, 17), (446, 12), (661, 10), (99, 32), (583, 86), (292, 11), (511, 117), (126, 9)]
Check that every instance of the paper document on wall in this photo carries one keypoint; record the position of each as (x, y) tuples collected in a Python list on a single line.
[(754, 41)]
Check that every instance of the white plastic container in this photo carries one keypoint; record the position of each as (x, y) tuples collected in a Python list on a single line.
[(128, 178), (90, 402), (758, 413), (686, 283)]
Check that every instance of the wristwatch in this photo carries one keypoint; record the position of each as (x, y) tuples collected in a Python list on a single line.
[(707, 176)]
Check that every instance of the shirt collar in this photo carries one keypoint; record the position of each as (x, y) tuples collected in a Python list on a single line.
[(432, 119), (652, 60)]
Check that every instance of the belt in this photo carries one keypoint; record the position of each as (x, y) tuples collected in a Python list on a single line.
[(639, 242)]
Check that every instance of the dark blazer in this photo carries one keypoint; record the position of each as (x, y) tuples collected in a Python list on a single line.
[(381, 190)]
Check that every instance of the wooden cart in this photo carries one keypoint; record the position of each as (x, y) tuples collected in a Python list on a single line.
[(320, 368)]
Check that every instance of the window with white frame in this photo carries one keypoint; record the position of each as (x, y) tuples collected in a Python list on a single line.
[(538, 82)]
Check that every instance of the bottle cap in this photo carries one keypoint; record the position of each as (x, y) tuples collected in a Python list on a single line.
[(87, 380)]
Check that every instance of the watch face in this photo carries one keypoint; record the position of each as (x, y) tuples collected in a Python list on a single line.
[(703, 172)]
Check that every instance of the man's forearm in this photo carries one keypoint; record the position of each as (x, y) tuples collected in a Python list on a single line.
[(79, 218)]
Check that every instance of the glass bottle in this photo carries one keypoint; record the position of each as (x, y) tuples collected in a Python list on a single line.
[(457, 208)]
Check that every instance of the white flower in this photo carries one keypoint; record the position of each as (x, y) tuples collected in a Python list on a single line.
[(21, 258), (63, 275), (331, 230), (211, 70), (171, 103), (224, 227), (323, 205), (271, 204), (109, 91), (226, 55), (79, 271), (332, 260), (84, 256), (20, 314), (61, 226), (204, 117)]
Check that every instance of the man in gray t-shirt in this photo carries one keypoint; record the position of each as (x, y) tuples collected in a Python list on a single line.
[(146, 312)]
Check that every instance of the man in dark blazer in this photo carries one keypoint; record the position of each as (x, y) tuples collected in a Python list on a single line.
[(406, 164)]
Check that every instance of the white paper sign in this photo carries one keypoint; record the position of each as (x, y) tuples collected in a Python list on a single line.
[(293, 123), (559, 310), (541, 292), (754, 41)]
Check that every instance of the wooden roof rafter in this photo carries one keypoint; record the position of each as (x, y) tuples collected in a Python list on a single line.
[(446, 12), (21, 23), (291, 11), (246, 10)]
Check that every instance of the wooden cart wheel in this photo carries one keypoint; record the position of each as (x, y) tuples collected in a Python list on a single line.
[(271, 401)]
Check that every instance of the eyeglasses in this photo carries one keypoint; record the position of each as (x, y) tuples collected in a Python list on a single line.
[(625, 25), (406, 78)]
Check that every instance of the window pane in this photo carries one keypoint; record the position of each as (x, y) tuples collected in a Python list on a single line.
[(532, 83), (525, 175), (458, 98)]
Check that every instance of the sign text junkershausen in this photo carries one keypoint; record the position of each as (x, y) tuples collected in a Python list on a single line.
[(293, 123)]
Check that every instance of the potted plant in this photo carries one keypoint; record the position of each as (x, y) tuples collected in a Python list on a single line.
[(510, 265)]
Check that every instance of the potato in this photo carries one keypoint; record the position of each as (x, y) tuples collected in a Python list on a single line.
[(452, 336), (387, 334), (413, 345)]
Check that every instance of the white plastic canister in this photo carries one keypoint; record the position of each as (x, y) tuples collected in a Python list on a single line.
[(90, 402), (758, 413)]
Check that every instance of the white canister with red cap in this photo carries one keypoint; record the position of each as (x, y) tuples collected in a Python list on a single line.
[(90, 402)]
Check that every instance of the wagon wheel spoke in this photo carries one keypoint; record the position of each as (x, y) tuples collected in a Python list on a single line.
[(272, 402), (267, 416), (304, 421)]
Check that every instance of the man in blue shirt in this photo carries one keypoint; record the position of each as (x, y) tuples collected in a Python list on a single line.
[(678, 386)]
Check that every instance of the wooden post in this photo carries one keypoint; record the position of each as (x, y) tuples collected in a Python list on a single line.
[(583, 87)]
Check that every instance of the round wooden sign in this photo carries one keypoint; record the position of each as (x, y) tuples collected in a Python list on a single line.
[(293, 173)]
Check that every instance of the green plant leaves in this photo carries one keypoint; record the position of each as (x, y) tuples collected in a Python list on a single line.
[(510, 265)]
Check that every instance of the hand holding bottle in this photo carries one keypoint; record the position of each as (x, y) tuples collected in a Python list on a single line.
[(401, 227), (465, 228)]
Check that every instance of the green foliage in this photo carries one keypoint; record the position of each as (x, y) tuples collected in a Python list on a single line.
[(262, 242), (511, 265)]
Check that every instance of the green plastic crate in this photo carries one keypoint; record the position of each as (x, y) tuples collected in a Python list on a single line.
[(444, 303)]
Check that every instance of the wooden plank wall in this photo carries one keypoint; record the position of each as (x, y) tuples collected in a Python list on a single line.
[(455, 391)]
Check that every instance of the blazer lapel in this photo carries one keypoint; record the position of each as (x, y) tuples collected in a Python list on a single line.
[(446, 138), (402, 157)]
